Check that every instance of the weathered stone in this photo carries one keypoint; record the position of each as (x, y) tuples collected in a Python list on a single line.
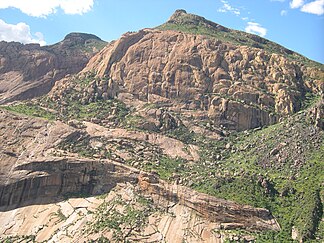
[(28, 71)]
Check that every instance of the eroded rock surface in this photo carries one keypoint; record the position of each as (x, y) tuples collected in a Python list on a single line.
[(245, 86), (81, 219), (167, 102), (28, 71), (36, 181)]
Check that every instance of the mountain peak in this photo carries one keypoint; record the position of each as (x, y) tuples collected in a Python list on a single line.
[(194, 24), (77, 39), (177, 14), (80, 36), (181, 18)]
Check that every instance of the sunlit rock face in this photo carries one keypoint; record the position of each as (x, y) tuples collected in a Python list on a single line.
[(245, 87)]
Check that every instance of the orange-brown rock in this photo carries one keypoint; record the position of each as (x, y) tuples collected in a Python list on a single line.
[(229, 214), (256, 87), (28, 71)]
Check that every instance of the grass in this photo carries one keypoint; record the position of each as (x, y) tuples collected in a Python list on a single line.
[(167, 167), (120, 217), (293, 194), (309, 100), (24, 238), (192, 24), (32, 110)]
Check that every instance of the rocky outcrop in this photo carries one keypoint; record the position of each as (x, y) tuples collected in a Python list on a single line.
[(230, 214), (169, 146), (239, 85), (47, 179), (84, 88), (28, 71), (317, 114), (35, 171), (162, 101), (81, 220)]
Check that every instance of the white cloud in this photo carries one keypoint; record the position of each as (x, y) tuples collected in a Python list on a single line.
[(283, 12), (245, 18), (228, 8), (20, 33), (42, 8), (296, 3), (316, 7), (256, 28)]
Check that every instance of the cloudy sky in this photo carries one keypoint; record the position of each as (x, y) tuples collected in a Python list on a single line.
[(295, 24)]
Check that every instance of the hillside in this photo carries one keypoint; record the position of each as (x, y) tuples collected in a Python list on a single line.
[(28, 71), (188, 132), (190, 23)]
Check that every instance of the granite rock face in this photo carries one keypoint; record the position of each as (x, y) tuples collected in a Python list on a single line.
[(244, 87), (28, 71), (229, 214)]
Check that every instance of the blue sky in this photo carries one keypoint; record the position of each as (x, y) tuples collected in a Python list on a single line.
[(295, 24)]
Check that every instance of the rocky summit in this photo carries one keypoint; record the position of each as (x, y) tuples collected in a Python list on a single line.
[(187, 132)]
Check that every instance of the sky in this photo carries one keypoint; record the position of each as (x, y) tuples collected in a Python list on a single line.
[(295, 24)]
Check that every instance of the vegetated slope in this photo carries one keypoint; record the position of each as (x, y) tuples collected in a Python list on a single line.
[(235, 122), (29, 70), (190, 23)]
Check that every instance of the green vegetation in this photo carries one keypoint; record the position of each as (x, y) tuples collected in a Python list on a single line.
[(183, 134), (23, 238), (92, 46), (166, 167), (32, 110), (309, 100), (80, 144), (60, 215), (132, 121), (192, 24), (278, 167), (245, 167), (100, 110), (121, 217)]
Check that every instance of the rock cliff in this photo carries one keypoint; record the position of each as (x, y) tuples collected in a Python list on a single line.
[(238, 86), (28, 71)]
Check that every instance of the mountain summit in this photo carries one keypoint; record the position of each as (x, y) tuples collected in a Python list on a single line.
[(190, 23), (181, 17)]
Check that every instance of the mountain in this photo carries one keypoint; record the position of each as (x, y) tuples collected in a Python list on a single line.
[(30, 70), (237, 86), (193, 24), (187, 132)]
